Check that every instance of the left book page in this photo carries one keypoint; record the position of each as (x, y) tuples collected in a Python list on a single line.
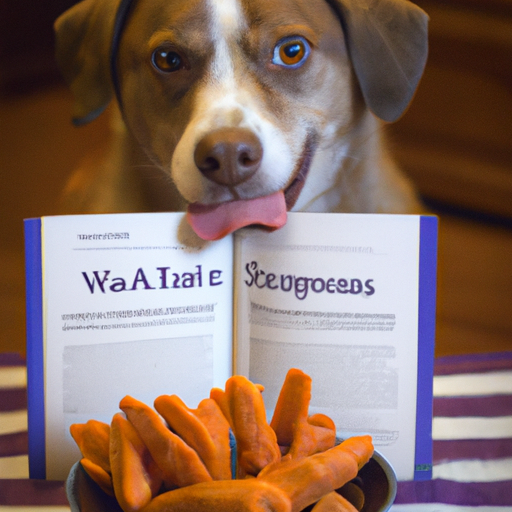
[(117, 306)]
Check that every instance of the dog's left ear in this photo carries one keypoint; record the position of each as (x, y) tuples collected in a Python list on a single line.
[(388, 44), (83, 37)]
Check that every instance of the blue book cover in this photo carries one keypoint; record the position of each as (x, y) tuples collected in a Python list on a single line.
[(35, 348), (426, 342)]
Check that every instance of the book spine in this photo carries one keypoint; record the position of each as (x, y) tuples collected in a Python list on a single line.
[(426, 342), (35, 349)]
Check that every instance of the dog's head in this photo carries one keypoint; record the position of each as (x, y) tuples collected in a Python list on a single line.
[(233, 97)]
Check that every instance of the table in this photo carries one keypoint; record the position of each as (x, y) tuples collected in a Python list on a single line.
[(472, 432)]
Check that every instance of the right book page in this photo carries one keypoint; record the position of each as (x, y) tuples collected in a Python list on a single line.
[(338, 296)]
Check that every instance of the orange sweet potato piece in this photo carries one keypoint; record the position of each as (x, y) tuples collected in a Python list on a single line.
[(298, 435), (215, 422), (179, 463), (221, 399), (204, 429), (323, 431), (250, 495), (306, 480), (99, 475), (256, 441), (292, 406), (135, 477), (92, 439), (333, 502)]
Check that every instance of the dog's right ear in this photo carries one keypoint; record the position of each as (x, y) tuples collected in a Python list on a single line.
[(83, 44), (388, 43)]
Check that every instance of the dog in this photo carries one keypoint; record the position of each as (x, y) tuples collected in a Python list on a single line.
[(238, 111)]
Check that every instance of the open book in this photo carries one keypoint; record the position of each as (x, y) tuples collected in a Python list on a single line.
[(117, 306)]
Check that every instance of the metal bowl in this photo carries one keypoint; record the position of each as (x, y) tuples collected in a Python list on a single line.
[(379, 484), (377, 479)]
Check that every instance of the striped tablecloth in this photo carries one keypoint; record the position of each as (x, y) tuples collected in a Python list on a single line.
[(472, 433)]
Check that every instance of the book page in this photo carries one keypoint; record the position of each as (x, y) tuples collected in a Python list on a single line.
[(128, 311), (337, 297)]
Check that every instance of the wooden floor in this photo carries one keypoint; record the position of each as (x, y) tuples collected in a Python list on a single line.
[(39, 148)]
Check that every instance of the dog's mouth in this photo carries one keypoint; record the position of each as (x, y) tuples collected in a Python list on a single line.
[(212, 222), (292, 192)]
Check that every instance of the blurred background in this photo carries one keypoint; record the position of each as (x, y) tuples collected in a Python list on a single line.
[(455, 142)]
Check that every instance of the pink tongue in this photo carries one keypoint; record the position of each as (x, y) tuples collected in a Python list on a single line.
[(212, 222)]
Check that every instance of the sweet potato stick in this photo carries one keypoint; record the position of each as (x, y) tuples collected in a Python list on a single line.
[(299, 435), (221, 399), (92, 439), (251, 495), (134, 479), (204, 429), (179, 463), (333, 502), (214, 420), (99, 475), (323, 431), (292, 406), (308, 479), (256, 441)]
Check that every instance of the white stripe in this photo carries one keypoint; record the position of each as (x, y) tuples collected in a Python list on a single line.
[(475, 384), (226, 24), (33, 508), (471, 428), (13, 377), (14, 467), (496, 470), (13, 421), (441, 507)]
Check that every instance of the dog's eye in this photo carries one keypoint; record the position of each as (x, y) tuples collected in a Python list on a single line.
[(291, 52), (167, 60)]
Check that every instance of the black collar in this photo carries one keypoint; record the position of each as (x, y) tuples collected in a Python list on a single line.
[(121, 17)]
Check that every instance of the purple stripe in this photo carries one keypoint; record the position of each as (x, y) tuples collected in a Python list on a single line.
[(14, 444), (471, 494), (11, 359), (32, 493), (488, 406), (473, 363), (13, 399), (479, 449)]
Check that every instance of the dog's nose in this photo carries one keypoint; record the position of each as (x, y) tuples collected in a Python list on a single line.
[(229, 156)]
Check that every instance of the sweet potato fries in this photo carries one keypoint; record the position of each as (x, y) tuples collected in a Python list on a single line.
[(176, 459)]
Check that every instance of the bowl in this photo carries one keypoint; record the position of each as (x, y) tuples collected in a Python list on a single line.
[(377, 479)]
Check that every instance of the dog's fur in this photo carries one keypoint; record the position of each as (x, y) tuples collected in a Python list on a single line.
[(366, 59)]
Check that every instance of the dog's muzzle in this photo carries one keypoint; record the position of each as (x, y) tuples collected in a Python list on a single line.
[(212, 222)]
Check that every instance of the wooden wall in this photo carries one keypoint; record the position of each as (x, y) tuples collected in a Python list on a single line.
[(456, 139)]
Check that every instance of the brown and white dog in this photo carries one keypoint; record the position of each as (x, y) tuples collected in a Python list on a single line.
[(247, 108)]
